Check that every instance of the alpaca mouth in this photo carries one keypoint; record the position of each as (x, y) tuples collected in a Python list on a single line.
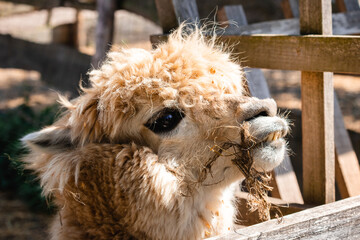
[(275, 136), (275, 140), (262, 142), (265, 130)]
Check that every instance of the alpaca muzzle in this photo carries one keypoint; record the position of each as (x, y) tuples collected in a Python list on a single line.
[(262, 123)]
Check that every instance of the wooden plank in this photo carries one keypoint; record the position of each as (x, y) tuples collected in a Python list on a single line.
[(104, 29), (317, 100), (347, 170), (338, 220), (60, 66), (290, 8), (286, 182), (347, 5), (237, 14), (318, 137), (343, 23), (300, 53), (166, 13), (286, 9), (257, 83), (46, 4), (315, 17), (186, 11)]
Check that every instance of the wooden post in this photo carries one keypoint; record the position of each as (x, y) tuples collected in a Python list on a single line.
[(167, 17), (347, 170), (290, 8), (347, 5), (186, 11), (104, 29), (317, 113)]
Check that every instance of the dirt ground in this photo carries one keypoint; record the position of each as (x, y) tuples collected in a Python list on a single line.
[(18, 223), (16, 85)]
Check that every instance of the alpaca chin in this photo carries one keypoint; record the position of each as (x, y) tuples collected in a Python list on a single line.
[(269, 155)]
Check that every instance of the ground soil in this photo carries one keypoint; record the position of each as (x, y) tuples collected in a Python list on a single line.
[(18, 222)]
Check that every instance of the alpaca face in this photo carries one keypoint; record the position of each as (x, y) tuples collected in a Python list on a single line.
[(188, 138), (127, 154), (184, 100)]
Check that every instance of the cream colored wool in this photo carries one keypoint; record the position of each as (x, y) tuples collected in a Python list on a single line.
[(113, 178)]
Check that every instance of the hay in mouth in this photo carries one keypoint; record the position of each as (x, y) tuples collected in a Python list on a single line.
[(257, 183)]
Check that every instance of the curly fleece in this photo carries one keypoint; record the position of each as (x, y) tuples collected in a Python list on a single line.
[(185, 72), (107, 190)]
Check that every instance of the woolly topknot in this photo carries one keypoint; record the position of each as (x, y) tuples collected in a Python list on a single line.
[(187, 70)]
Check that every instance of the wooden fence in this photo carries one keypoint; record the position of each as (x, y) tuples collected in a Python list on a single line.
[(326, 146)]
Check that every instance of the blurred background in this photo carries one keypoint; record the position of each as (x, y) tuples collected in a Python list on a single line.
[(46, 48)]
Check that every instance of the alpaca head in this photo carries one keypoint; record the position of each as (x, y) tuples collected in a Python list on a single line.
[(184, 100)]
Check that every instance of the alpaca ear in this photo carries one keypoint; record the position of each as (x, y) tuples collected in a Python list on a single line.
[(49, 140)]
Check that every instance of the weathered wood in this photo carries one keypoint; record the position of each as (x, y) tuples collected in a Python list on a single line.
[(166, 13), (286, 182), (317, 101), (338, 220), (300, 53), (348, 5), (234, 15), (343, 23), (186, 11), (347, 170), (315, 17), (290, 8), (39, 4), (60, 66), (318, 137), (306, 53), (257, 83), (104, 29)]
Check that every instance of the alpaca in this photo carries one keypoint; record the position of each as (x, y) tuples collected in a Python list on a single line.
[(138, 154)]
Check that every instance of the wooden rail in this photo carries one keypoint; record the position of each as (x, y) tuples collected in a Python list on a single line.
[(313, 53), (60, 66), (343, 23), (338, 220)]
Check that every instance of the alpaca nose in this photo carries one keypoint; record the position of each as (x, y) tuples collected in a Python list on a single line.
[(257, 107)]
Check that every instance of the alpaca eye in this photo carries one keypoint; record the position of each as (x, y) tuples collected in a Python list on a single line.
[(165, 120)]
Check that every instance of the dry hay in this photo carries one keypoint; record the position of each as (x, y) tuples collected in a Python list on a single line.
[(257, 183)]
